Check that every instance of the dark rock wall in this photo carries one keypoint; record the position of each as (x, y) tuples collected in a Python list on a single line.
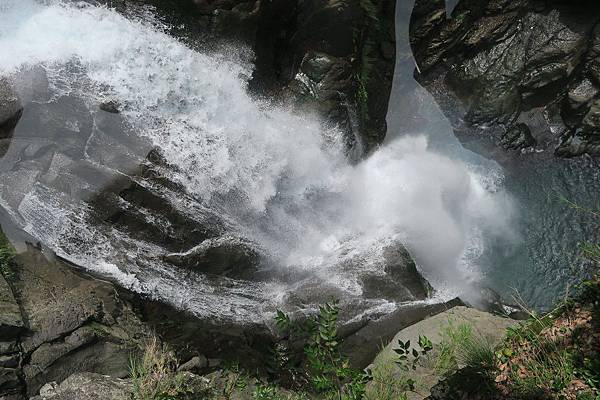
[(329, 56), (526, 65), (11, 111)]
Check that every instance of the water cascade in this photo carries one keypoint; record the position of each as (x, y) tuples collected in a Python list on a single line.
[(191, 153)]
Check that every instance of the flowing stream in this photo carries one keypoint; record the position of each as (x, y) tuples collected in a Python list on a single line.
[(192, 159)]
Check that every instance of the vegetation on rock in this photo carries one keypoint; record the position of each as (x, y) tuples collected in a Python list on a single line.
[(7, 255), (550, 356)]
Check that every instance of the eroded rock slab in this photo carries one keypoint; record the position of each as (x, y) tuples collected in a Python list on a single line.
[(60, 322), (87, 386), (227, 255)]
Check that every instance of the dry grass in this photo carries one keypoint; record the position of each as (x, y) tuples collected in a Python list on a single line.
[(154, 375)]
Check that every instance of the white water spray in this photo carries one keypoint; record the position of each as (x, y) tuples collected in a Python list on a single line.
[(276, 177)]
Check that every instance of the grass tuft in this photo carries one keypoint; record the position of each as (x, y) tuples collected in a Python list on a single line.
[(154, 375), (462, 347)]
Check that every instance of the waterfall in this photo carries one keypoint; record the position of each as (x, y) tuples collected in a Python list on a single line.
[(271, 176)]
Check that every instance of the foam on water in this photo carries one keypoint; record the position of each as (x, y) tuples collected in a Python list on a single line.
[(277, 177)]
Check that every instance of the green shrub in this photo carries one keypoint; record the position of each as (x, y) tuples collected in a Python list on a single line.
[(325, 368)]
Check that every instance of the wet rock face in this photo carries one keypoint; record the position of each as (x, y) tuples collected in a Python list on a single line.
[(225, 256), (355, 38), (284, 35), (324, 83), (402, 281), (503, 61), (333, 58), (11, 109), (518, 137)]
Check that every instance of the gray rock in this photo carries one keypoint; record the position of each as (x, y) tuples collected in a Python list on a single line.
[(9, 381), (591, 121), (594, 56), (518, 137), (11, 327), (87, 386), (284, 35), (9, 347), (10, 361), (402, 281), (321, 84), (226, 255), (48, 353), (74, 324), (363, 339), (488, 327), (581, 93), (32, 84), (11, 108), (110, 106), (196, 363)]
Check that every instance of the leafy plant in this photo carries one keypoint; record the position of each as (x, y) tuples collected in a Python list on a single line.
[(327, 370), (408, 357), (363, 77), (266, 392), (542, 357)]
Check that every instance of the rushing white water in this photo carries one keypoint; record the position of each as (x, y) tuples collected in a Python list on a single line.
[(275, 177)]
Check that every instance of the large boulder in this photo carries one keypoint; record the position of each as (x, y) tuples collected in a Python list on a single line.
[(402, 280), (485, 326), (87, 386), (74, 323), (227, 256)]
